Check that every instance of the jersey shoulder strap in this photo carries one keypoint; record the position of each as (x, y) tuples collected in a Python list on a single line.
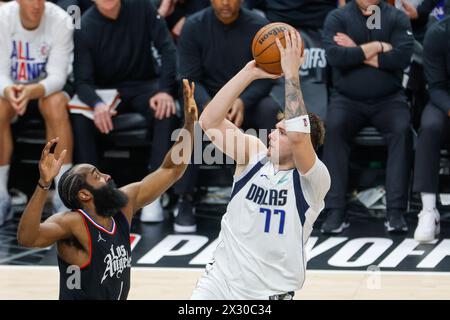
[(302, 205), (248, 174)]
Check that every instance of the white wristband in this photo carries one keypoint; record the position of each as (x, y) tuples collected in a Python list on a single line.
[(299, 124)]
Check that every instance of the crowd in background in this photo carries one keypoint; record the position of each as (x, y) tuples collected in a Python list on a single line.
[(353, 76)]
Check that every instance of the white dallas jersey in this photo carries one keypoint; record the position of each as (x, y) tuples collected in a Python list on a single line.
[(269, 219)]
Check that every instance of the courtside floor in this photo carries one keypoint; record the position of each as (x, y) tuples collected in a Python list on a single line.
[(364, 262)]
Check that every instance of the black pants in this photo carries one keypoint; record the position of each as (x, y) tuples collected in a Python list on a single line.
[(434, 131), (86, 134), (345, 119), (262, 115)]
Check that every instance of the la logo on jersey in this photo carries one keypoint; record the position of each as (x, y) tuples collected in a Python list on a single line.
[(27, 62), (116, 262)]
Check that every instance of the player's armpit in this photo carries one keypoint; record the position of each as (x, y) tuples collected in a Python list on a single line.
[(55, 228), (237, 145)]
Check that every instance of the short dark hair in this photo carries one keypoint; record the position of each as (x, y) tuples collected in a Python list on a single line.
[(317, 129), (69, 185)]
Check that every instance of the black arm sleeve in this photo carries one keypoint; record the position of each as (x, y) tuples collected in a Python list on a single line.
[(84, 71), (165, 46), (434, 56), (402, 41), (338, 56)]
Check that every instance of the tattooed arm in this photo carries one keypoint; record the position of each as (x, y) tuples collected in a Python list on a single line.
[(291, 60)]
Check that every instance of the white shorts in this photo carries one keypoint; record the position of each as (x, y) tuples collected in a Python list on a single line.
[(212, 286)]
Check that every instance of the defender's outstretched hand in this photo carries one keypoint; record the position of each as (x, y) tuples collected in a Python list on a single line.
[(190, 106), (291, 56), (50, 165)]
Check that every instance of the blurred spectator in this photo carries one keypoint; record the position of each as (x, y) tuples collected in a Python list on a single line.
[(298, 13), (113, 50), (176, 11), (434, 128), (418, 12), (367, 88), (214, 45), (308, 17), (35, 50)]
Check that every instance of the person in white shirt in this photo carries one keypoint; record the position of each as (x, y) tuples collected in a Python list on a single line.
[(36, 45), (278, 192)]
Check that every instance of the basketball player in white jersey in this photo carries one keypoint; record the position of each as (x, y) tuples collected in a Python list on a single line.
[(278, 192)]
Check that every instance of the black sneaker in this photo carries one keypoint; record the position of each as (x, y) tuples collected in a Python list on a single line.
[(335, 222), (395, 222), (184, 214)]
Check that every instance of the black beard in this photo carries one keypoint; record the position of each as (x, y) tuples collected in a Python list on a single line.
[(108, 200)]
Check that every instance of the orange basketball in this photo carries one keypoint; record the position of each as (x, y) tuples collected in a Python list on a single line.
[(264, 48)]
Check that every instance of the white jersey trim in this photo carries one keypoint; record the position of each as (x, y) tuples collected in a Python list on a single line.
[(253, 161)]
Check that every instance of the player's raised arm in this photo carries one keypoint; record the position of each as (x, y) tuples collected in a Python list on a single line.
[(174, 164), (296, 116), (31, 232), (222, 132)]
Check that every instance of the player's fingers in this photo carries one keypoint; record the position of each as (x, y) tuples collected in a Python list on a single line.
[(45, 150), (192, 88), (186, 87), (279, 45), (299, 40), (287, 38), (61, 157), (294, 39)]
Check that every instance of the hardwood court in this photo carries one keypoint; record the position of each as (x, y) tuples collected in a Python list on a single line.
[(41, 282)]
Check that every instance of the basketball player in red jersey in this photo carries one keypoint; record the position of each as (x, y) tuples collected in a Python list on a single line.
[(94, 237)]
